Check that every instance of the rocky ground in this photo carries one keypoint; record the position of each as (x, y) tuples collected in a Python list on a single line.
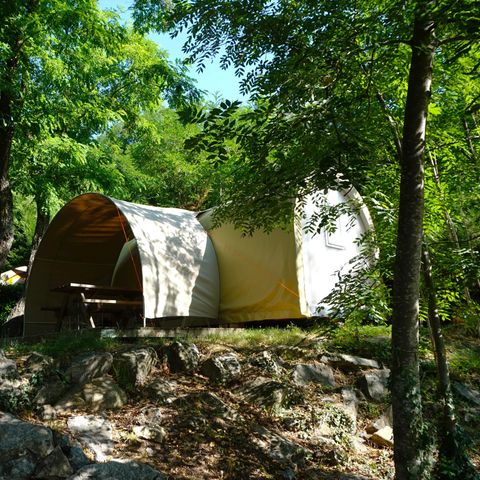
[(181, 411)]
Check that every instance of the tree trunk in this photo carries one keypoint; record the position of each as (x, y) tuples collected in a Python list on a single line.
[(41, 225), (406, 398), (448, 445)]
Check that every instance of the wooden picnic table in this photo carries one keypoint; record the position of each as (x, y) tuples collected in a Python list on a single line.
[(83, 300)]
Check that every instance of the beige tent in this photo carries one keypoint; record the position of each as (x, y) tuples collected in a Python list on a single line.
[(163, 252), (181, 271), (286, 273)]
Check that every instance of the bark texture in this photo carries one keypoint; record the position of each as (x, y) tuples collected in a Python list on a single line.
[(406, 398)]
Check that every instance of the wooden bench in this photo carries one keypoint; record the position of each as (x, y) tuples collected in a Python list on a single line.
[(82, 301)]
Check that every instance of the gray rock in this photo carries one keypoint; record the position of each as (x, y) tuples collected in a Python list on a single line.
[(47, 412), (51, 391), (467, 393), (385, 420), (304, 374), (383, 437), (150, 416), (72, 450), (276, 447), (8, 367), (118, 470), (222, 368), (132, 368), (54, 465), (182, 357), (161, 390), (100, 394), (87, 366), (350, 406), (374, 384), (94, 433), (155, 434), (38, 363), (266, 393), (350, 362), (267, 362), (18, 468), (18, 438)]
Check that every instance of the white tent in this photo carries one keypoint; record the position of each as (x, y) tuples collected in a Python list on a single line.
[(175, 266), (180, 270), (286, 273)]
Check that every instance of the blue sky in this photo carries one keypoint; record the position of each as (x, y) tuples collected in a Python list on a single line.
[(213, 79)]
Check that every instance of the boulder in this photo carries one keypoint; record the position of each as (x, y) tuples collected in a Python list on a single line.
[(266, 362), (94, 433), (154, 434), (72, 450), (150, 416), (87, 366), (182, 357), (385, 420), (52, 390), (350, 362), (161, 390), (468, 393), (304, 374), (276, 447), (100, 394), (383, 437), (266, 393), (8, 367), (54, 465), (18, 439), (132, 367), (221, 368), (18, 468), (118, 470), (374, 384), (38, 363)]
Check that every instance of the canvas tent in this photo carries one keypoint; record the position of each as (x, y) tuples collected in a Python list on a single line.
[(184, 267), (175, 265), (286, 273)]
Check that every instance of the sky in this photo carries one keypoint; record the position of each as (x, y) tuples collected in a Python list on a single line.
[(213, 79)]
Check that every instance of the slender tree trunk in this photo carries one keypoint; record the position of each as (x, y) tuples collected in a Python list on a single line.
[(406, 397), (448, 427), (41, 225)]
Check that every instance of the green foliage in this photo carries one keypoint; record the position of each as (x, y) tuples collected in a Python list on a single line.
[(9, 296)]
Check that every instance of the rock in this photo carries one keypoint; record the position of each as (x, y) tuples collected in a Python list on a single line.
[(385, 420), (267, 362), (182, 357), (383, 437), (38, 363), (467, 393), (276, 447), (155, 434), (94, 433), (51, 391), (161, 390), (87, 366), (8, 367), (72, 450), (207, 402), (304, 374), (54, 465), (221, 368), (265, 393), (132, 367), (335, 421), (118, 470), (374, 384), (101, 394), (18, 438), (150, 416), (47, 412), (18, 468), (358, 445), (350, 362), (350, 406)]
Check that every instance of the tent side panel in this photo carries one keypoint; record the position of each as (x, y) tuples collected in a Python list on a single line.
[(258, 278)]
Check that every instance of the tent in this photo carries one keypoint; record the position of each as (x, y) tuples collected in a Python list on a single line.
[(185, 268), (286, 273), (172, 260)]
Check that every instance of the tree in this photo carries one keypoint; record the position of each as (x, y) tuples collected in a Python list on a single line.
[(318, 71), (66, 72)]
